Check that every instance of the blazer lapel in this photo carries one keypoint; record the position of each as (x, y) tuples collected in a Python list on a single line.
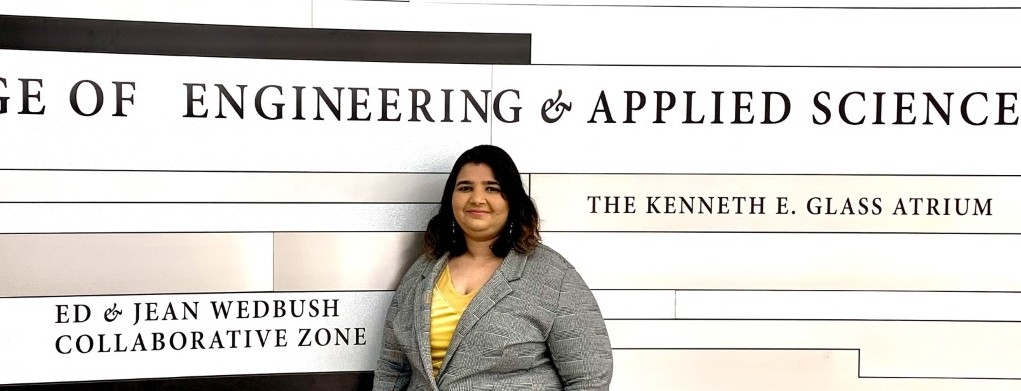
[(423, 320), (491, 293)]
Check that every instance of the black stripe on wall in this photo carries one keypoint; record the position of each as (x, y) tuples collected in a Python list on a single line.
[(180, 39), (336, 381)]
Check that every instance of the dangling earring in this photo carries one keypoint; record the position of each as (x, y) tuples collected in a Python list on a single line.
[(453, 233), (510, 231)]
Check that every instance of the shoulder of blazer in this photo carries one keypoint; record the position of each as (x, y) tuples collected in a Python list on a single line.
[(544, 253), (546, 262)]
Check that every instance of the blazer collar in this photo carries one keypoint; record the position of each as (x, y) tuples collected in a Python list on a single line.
[(423, 320), (492, 292), (512, 268)]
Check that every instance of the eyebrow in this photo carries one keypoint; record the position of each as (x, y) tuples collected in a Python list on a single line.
[(467, 182)]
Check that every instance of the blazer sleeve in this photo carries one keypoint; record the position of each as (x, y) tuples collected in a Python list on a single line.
[(393, 371), (578, 342)]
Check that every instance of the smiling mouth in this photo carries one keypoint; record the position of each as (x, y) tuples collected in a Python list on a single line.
[(477, 212)]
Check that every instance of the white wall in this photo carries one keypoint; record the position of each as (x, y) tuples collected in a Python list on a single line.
[(155, 207)]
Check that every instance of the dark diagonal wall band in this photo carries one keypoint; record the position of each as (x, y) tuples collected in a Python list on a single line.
[(179, 39)]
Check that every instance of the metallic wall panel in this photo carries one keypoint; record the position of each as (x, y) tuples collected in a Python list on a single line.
[(343, 261), (892, 349), (845, 305), (84, 264), (285, 187), (787, 370), (119, 218)]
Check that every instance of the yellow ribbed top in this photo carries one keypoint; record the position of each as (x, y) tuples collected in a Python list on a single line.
[(447, 307)]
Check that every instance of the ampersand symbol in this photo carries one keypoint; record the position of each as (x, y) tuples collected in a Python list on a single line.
[(112, 313), (558, 107)]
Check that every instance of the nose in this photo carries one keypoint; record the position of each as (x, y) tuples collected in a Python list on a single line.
[(478, 197)]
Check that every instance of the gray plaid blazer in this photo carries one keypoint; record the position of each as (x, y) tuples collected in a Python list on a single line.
[(533, 326)]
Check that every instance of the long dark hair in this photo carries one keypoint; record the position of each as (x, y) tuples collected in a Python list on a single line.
[(521, 233)]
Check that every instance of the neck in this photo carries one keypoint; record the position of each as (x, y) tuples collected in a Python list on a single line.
[(479, 250)]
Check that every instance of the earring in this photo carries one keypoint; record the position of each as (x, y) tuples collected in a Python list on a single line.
[(510, 231), (453, 233)]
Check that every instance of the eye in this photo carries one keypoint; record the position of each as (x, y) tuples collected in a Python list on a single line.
[(493, 189), (463, 188)]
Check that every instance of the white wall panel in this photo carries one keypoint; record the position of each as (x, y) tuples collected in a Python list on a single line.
[(37, 336), (792, 261), (274, 13), (778, 203), (642, 304), (726, 370), (732, 36), (796, 145), (154, 134), (67, 218)]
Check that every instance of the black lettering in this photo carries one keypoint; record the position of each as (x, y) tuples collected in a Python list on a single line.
[(221, 309), (903, 108), (238, 107), (738, 107), (717, 106), (879, 108), (304, 337), (482, 112), (446, 105), (321, 97), (964, 108), (62, 314), (768, 95), (1004, 108), (822, 107), (651, 202), (3, 99), (279, 113), (931, 103), (660, 107), (515, 110), (74, 98), (416, 107), (26, 94), (594, 200), (297, 103), (66, 350), (689, 96), (355, 104), (120, 98), (385, 92), (842, 108), (190, 99), (632, 106), (602, 107)]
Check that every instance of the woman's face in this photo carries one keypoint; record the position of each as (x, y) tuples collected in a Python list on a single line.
[(478, 203)]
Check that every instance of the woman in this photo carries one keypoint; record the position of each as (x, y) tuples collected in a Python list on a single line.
[(487, 307)]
